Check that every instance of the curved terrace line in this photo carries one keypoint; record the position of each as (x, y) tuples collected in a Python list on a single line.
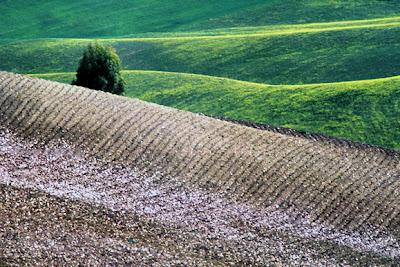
[(376, 80), (246, 32)]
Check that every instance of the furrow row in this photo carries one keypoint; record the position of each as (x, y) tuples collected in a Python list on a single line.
[(338, 182)]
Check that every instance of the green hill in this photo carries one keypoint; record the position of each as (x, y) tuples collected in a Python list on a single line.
[(319, 43), (286, 54), (100, 18), (366, 111)]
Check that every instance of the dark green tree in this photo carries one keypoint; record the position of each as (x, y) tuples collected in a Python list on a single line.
[(99, 69)]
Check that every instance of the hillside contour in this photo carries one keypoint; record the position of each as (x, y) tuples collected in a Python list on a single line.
[(307, 48), (283, 54), (366, 111), (97, 18), (91, 178)]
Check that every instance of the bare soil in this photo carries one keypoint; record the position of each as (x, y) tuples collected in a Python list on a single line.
[(59, 207), (95, 179)]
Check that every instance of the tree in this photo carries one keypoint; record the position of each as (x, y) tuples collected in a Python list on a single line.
[(99, 69)]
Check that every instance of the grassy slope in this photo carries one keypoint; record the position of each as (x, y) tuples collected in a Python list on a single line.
[(58, 18), (366, 111), (327, 52), (97, 18), (280, 54)]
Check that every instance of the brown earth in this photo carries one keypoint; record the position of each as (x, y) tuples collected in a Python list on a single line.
[(87, 177)]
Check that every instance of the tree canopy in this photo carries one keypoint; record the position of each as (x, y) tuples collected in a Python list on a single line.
[(99, 69)]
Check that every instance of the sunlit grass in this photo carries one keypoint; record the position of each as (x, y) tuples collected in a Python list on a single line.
[(107, 18), (305, 57), (366, 111)]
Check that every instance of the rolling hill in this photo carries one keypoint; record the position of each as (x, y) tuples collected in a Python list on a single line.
[(288, 54), (251, 133), (251, 41), (365, 111), (104, 18), (113, 179)]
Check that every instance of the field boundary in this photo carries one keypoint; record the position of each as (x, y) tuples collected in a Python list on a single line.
[(340, 183), (312, 136)]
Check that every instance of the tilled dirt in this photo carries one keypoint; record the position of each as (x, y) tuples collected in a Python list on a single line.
[(60, 207), (350, 186), (107, 180)]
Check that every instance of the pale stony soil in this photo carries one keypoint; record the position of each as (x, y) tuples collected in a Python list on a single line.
[(135, 183), (350, 186), (59, 207)]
